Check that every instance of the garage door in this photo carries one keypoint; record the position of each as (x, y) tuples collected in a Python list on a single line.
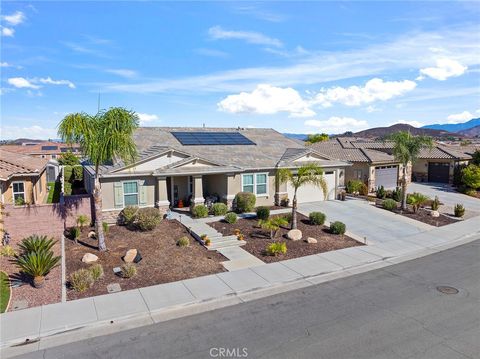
[(438, 172), (386, 176), (310, 193)]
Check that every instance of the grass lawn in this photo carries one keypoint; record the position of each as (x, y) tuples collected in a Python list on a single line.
[(4, 291), (54, 192)]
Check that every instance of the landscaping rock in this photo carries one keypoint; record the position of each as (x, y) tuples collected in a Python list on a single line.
[(294, 234), (89, 258), (435, 214), (130, 256), (113, 288), (91, 234), (311, 240)]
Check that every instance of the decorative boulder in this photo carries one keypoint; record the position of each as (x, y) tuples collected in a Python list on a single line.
[(435, 214), (91, 234), (311, 240), (89, 258), (294, 234), (130, 256)]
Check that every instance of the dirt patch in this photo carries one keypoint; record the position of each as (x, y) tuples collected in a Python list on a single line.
[(424, 216), (163, 261), (258, 239)]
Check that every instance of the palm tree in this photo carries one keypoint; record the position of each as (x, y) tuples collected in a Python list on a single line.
[(307, 174), (406, 149), (105, 137)]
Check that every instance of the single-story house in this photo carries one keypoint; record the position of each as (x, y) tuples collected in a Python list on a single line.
[(374, 168), (44, 149), (22, 178), (179, 166)]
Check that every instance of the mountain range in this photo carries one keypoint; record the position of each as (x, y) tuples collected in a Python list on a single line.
[(455, 127)]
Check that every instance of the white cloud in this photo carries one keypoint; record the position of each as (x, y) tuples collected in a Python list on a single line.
[(218, 33), (122, 72), (371, 109), (267, 99), (374, 90), (5, 64), (21, 82), (445, 68), (460, 117), (49, 81), (411, 123), (34, 132), (7, 31), (146, 118), (14, 19), (336, 125)]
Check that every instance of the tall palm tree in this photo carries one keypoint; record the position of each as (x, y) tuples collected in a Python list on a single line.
[(406, 149), (307, 174), (104, 137)]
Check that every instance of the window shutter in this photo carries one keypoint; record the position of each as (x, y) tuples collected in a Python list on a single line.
[(118, 194), (142, 190)]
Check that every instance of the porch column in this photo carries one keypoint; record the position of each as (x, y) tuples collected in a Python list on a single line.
[(162, 193), (197, 197), (230, 195)]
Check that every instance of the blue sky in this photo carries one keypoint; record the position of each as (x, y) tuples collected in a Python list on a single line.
[(299, 67)]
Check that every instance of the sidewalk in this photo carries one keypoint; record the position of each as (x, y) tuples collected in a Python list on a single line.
[(49, 325)]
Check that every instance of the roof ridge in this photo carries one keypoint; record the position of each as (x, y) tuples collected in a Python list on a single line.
[(365, 154)]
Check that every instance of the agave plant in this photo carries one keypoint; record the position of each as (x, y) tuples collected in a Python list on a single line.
[(36, 243), (38, 265)]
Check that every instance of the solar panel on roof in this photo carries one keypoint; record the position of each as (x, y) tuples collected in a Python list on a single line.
[(211, 138), (49, 148)]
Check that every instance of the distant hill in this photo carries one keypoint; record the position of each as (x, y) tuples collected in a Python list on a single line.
[(457, 127), (296, 136), (380, 132), (471, 132)]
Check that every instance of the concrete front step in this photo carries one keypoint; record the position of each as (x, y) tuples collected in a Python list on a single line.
[(236, 243)]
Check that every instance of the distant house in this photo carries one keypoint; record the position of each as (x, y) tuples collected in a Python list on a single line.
[(22, 178), (179, 166), (46, 149)]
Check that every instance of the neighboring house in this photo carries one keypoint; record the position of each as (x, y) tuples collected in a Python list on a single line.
[(22, 178), (373, 167), (46, 149), (192, 165)]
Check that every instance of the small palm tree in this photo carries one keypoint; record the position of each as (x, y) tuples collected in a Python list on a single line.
[(38, 265), (307, 174), (416, 200), (82, 220), (273, 225), (406, 149), (105, 137)]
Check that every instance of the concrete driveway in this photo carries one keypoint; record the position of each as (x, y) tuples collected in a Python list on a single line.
[(448, 196), (365, 220)]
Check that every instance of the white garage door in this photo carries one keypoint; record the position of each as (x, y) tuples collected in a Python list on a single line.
[(310, 193), (386, 176)]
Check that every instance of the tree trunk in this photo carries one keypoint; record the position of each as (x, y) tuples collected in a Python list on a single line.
[(294, 211), (404, 188), (97, 199)]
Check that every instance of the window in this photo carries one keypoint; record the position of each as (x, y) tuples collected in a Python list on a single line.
[(357, 174), (130, 193), (255, 183), (18, 193)]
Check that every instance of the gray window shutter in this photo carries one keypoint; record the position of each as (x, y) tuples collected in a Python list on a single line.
[(142, 191), (118, 194)]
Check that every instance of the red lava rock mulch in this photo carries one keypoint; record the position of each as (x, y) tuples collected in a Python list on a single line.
[(258, 239), (163, 261), (424, 216), (51, 291)]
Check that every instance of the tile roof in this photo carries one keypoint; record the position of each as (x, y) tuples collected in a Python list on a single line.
[(36, 149), (12, 164)]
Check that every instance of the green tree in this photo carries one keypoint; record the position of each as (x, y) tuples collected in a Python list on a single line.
[(307, 174), (318, 137), (406, 149), (476, 157), (106, 136), (471, 176), (68, 159)]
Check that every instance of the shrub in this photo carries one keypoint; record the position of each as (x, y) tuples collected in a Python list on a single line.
[(263, 212), (219, 209), (389, 204), (77, 173), (459, 210), (476, 157), (183, 242), (82, 220), (397, 194), (81, 280), (317, 218), (338, 227), (288, 217), (127, 216), (231, 217), (471, 176), (200, 211), (68, 159), (272, 225), (417, 200), (354, 186), (380, 192), (106, 228), (276, 248), (244, 202), (129, 270), (37, 264), (96, 270), (208, 242), (471, 192), (7, 251), (148, 218), (35, 243), (435, 204), (363, 189), (75, 233)]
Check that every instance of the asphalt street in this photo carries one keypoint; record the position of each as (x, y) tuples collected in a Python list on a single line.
[(393, 312)]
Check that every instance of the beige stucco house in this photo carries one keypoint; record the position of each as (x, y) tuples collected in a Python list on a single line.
[(179, 166)]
